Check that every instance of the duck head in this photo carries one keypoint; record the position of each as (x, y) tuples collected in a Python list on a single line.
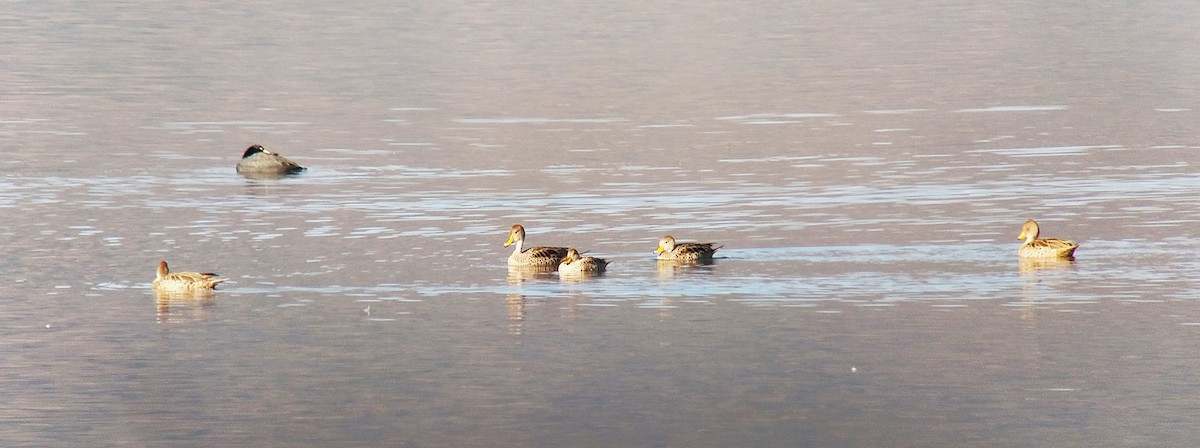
[(1029, 231), (255, 149), (665, 244), (515, 234), (572, 256)]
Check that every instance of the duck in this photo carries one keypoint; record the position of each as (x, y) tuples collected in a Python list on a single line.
[(168, 281), (1035, 247), (258, 161), (574, 264), (537, 256), (668, 249)]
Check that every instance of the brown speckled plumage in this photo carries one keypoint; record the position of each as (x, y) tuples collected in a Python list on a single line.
[(534, 256), (575, 264), (165, 280), (668, 249), (1035, 247)]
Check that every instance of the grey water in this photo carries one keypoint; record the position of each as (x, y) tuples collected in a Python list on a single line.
[(866, 167)]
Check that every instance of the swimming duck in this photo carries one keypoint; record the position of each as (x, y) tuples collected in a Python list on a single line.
[(183, 281), (1035, 247), (668, 249), (258, 161), (535, 256), (574, 264)]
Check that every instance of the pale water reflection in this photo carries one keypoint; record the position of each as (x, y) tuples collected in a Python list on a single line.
[(183, 307), (866, 168)]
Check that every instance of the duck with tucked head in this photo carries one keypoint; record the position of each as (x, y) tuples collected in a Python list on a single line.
[(257, 161), (668, 249), (1035, 247), (167, 281), (574, 264), (537, 256)]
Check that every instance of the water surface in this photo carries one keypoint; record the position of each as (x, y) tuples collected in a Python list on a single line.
[(867, 169)]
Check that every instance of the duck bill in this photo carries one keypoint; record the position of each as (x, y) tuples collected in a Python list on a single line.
[(509, 242)]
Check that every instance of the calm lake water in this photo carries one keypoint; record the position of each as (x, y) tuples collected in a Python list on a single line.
[(867, 167)]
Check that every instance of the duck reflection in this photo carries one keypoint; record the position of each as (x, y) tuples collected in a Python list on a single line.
[(516, 314), (669, 269), (1031, 266), (521, 274), (579, 277), (1040, 276), (183, 306), (515, 303), (264, 176), (256, 187)]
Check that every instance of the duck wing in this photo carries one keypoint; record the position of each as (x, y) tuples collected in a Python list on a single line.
[(1063, 248), (546, 252), (695, 249)]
